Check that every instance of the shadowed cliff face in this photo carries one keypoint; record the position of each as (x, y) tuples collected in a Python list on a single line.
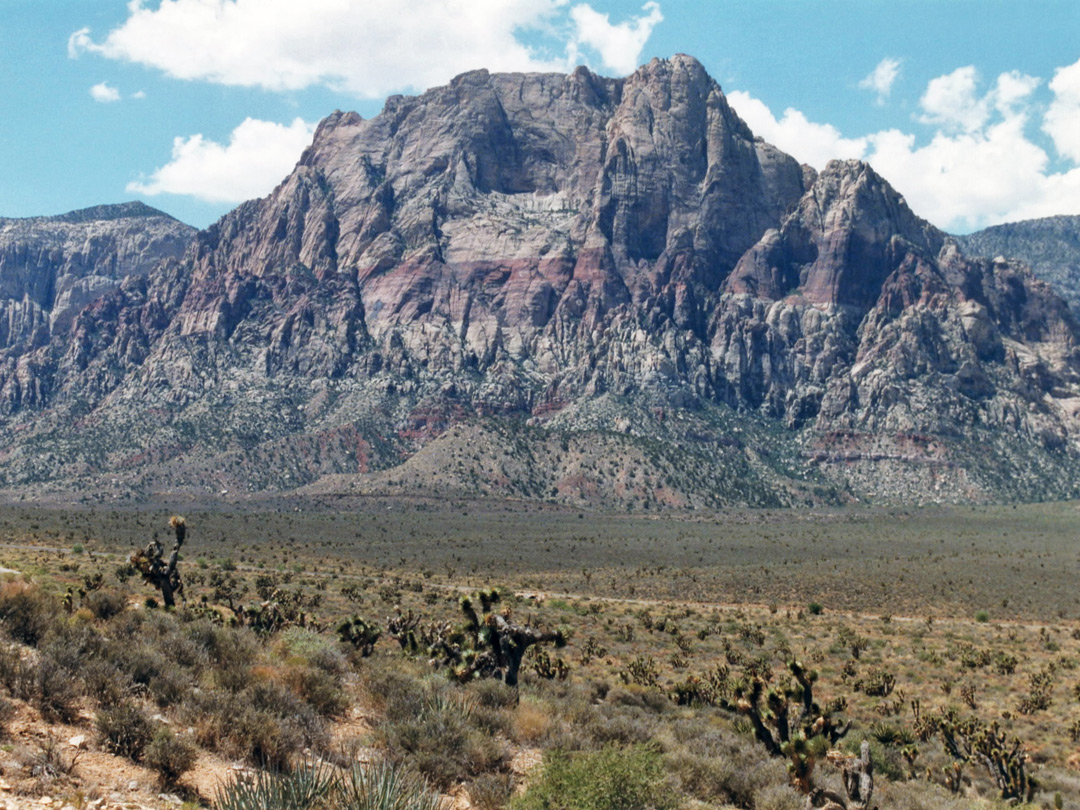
[(591, 255)]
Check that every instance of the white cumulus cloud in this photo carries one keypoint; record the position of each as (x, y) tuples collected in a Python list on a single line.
[(367, 48), (619, 45), (104, 94), (1012, 89), (1062, 120), (806, 141), (881, 78), (952, 101), (258, 155), (980, 165)]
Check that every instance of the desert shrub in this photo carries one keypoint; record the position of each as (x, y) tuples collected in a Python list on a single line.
[(265, 740), (230, 726), (181, 650), (609, 779), (232, 651), (629, 695), (279, 701), (395, 691), (919, 794), (384, 786), (170, 756), (493, 704), (779, 796), (313, 649), (169, 687), (56, 690), (493, 694), (712, 764), (19, 674), (265, 724), (48, 761), (104, 682), (885, 751), (27, 613), (10, 667), (491, 791), (125, 730), (619, 724), (105, 603), (7, 711), (319, 689), (531, 722), (73, 645), (142, 661), (305, 787), (440, 741), (493, 722)]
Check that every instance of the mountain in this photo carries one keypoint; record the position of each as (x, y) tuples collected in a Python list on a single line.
[(52, 268), (1051, 246), (566, 287)]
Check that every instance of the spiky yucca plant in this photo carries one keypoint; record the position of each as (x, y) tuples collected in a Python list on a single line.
[(384, 786), (308, 786)]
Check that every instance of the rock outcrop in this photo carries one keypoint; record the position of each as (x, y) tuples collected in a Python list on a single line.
[(614, 264)]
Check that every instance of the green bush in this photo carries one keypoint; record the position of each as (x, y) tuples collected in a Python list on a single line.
[(609, 779), (982, 616)]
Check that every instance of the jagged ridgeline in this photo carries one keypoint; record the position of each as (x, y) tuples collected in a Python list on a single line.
[(550, 286)]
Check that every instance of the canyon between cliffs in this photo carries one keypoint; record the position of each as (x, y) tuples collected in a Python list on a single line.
[(564, 288)]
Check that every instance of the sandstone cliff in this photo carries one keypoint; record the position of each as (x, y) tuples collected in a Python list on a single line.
[(623, 295)]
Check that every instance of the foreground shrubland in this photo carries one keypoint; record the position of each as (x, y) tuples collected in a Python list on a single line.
[(281, 689)]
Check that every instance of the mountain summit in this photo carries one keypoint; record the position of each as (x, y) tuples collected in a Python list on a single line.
[(564, 287)]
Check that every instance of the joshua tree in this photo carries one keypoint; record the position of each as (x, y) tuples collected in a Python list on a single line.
[(972, 740), (160, 573), (488, 644), (858, 776)]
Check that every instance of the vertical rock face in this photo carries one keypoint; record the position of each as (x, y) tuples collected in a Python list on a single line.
[(613, 257), (52, 268)]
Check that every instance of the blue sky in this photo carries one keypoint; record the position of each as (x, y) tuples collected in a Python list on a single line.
[(971, 108)]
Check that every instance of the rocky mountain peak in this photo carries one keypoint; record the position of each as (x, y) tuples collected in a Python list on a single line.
[(844, 239), (546, 255)]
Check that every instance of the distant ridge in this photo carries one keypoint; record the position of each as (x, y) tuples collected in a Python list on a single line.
[(99, 213), (1050, 245)]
